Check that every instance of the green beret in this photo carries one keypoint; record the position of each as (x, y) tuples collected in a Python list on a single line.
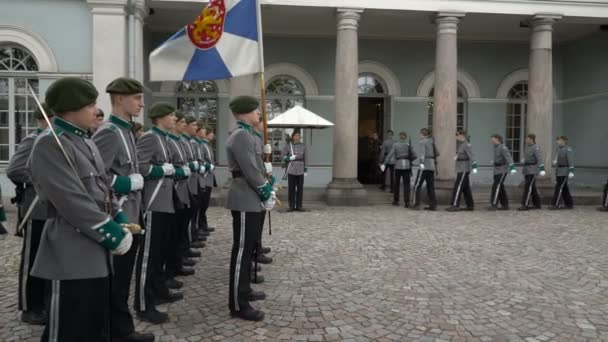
[(38, 113), (562, 137), (125, 86), (70, 94), (190, 119), (160, 109), (179, 115), (244, 104)]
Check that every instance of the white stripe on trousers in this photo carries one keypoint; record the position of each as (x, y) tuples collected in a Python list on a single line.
[(418, 178), (144, 264), (559, 195), (458, 189), (530, 191), (606, 201), (26, 265), (502, 179), (239, 258), (54, 314)]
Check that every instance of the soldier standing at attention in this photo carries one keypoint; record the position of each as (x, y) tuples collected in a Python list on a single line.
[(249, 195), (426, 174), (31, 289), (118, 151), (402, 154), (194, 156), (564, 164), (208, 178), (533, 165), (503, 164), (294, 154), (158, 171), (465, 163), (389, 164), (84, 225)]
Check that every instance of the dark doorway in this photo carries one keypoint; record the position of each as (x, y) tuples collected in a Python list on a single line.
[(371, 128)]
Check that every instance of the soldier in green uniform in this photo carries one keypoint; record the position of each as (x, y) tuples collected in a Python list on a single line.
[(31, 289), (294, 154), (83, 228), (155, 164), (117, 148), (534, 165), (564, 170), (194, 156), (503, 165), (402, 155), (389, 164), (465, 164), (426, 174), (208, 178), (249, 196)]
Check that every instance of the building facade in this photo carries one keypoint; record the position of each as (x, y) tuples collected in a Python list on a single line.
[(507, 67)]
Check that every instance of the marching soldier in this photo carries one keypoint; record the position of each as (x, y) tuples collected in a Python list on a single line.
[(426, 174), (155, 164), (84, 227), (604, 206), (389, 165), (179, 252), (533, 165), (31, 289), (117, 149), (564, 164), (465, 163), (249, 195), (402, 154), (503, 164), (294, 154), (208, 178)]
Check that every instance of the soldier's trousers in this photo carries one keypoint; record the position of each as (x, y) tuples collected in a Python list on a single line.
[(121, 323), (562, 192), (428, 177), (31, 289), (295, 185), (258, 245), (390, 169), (531, 198), (406, 175), (178, 241), (605, 197), (79, 311), (205, 200), (499, 194), (195, 203), (462, 187), (150, 281), (246, 228)]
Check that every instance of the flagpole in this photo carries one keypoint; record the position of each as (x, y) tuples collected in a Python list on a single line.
[(262, 81)]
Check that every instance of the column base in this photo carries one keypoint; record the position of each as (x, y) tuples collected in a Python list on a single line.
[(346, 192)]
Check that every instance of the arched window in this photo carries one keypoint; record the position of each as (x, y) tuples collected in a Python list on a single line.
[(517, 109), (461, 108), (282, 93), (369, 85), (199, 99), (18, 67)]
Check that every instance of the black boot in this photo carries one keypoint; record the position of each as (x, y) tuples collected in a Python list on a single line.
[(248, 314), (153, 316)]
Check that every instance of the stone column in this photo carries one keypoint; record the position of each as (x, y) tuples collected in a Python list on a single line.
[(109, 45), (446, 87), (345, 189), (540, 83)]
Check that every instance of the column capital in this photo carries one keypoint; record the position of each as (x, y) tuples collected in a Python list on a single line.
[(140, 9), (447, 22), (110, 7), (543, 22), (348, 18)]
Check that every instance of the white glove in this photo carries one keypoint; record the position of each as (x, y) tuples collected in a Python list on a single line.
[(475, 170), (543, 173), (292, 158), (137, 181), (187, 171), (125, 244), (421, 166), (203, 169), (168, 169), (554, 162), (267, 149), (571, 175), (268, 168), (211, 167), (196, 166), (513, 171), (269, 204), (455, 157), (305, 174), (382, 167)]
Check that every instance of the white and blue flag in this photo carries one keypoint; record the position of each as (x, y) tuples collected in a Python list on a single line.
[(223, 42)]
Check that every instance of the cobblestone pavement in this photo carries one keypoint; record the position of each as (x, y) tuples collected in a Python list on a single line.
[(389, 274)]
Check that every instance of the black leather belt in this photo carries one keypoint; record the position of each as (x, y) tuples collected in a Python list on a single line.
[(403, 158), (500, 164), (462, 159), (563, 165), (528, 164), (237, 174)]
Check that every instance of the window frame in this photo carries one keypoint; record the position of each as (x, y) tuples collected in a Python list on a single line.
[(519, 101), (462, 99)]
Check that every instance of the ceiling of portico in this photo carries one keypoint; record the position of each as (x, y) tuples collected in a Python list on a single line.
[(381, 24)]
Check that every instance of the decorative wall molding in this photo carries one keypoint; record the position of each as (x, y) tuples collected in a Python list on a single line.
[(384, 73), (33, 43), (293, 70), (464, 78)]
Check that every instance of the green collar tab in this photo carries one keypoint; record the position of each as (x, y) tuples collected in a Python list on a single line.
[(119, 121), (185, 136), (248, 128), (174, 137), (205, 141), (159, 131), (68, 127), (197, 140)]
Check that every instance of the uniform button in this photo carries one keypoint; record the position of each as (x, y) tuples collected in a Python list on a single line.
[(113, 239), (91, 174), (108, 235), (101, 231)]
